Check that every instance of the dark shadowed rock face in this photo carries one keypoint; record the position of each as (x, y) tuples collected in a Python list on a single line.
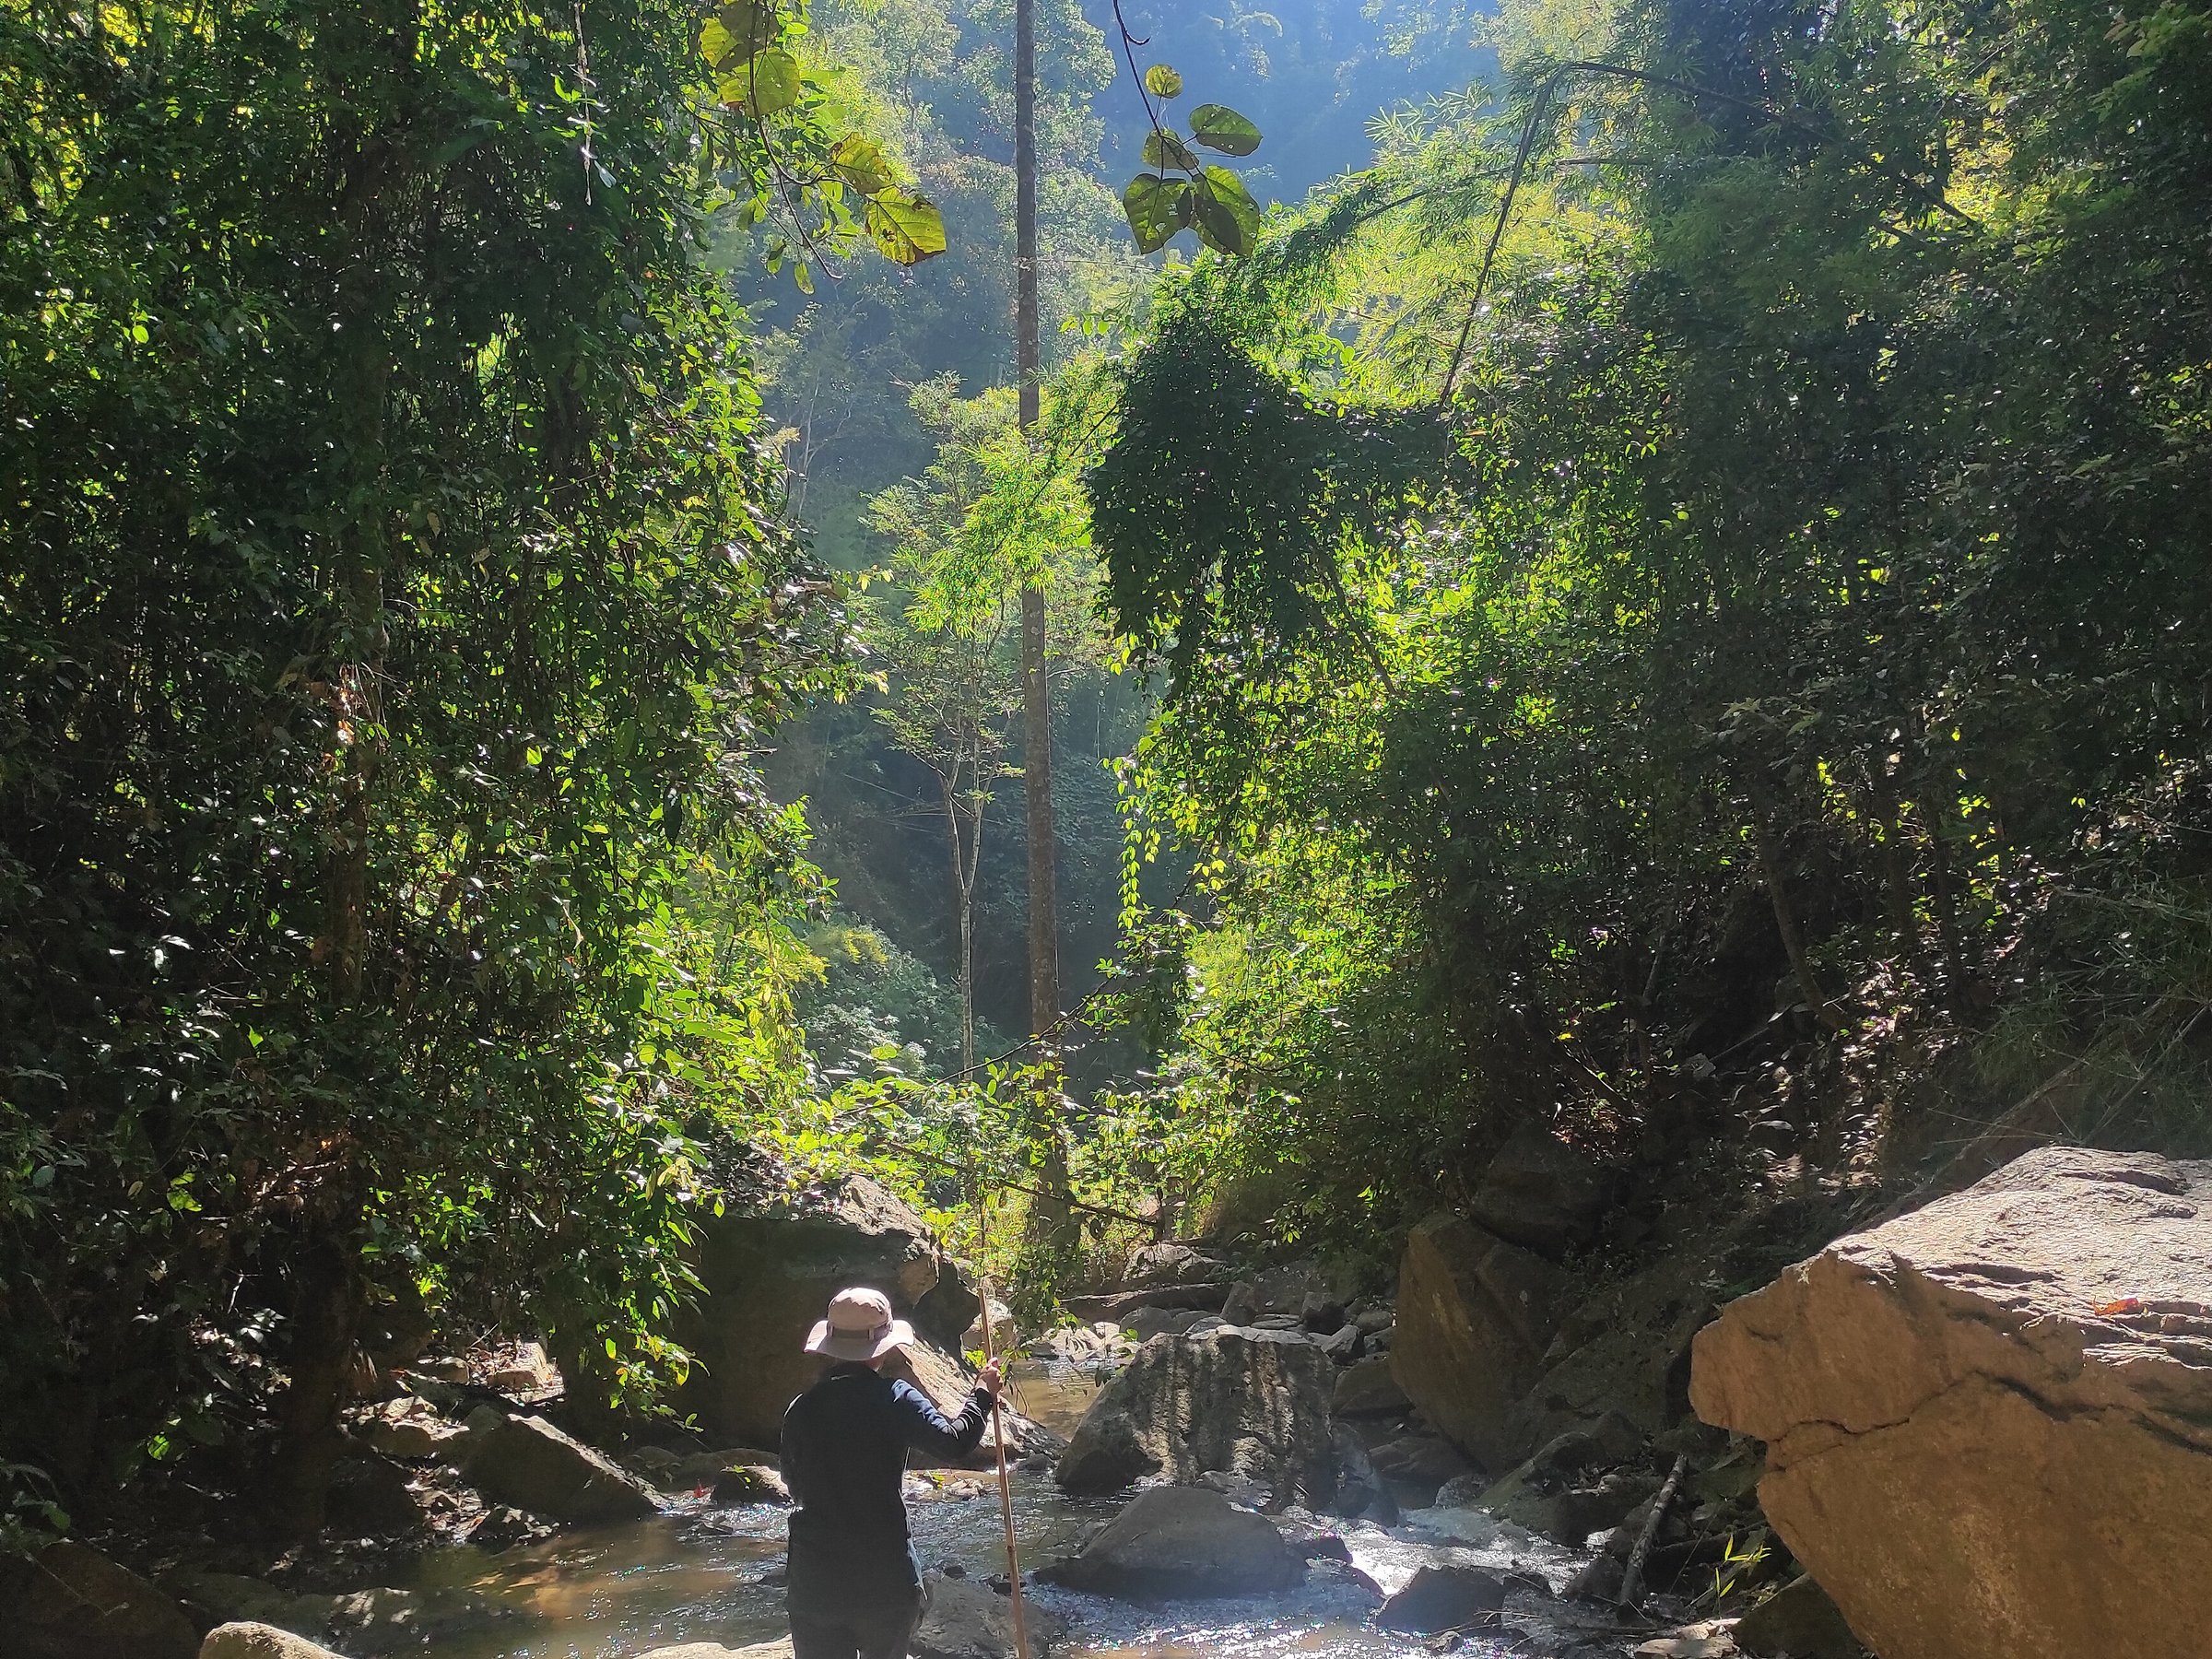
[(1175, 1542), (1366, 1388), (1541, 1193), (69, 1602), (1475, 1316), (769, 1271), (1249, 1403), (1171, 1264), (528, 1463), (1798, 1621), (1989, 1423)]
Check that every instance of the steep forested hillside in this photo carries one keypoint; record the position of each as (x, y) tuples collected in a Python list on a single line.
[(1685, 607), (852, 369)]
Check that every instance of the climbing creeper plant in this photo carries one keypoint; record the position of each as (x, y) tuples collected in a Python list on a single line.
[(1183, 190)]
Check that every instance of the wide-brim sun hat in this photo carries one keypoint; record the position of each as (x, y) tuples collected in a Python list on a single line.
[(859, 1326)]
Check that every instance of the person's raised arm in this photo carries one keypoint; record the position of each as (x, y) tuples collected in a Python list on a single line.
[(928, 1430)]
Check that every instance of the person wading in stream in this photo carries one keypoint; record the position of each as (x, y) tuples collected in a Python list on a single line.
[(853, 1587)]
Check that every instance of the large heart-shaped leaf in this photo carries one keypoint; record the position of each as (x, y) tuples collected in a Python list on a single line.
[(1218, 128), (1163, 82), (906, 227), (1157, 208), (859, 160), (738, 31), (770, 82), (1164, 148), (1226, 218)]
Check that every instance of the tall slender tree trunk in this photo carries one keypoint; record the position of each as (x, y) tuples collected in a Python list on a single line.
[(371, 66), (1052, 1220), (324, 1323), (1036, 689)]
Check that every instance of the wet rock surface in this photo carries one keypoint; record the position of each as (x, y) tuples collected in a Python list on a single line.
[(1989, 1423), (1173, 1543), (1250, 1403), (1442, 1598), (965, 1619)]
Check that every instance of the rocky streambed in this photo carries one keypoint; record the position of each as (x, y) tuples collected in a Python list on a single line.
[(703, 1573), (1979, 1423)]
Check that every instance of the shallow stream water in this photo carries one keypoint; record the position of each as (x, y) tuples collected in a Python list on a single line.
[(703, 1573)]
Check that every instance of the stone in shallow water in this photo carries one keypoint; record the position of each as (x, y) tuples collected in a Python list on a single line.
[(750, 1484), (968, 1620), (1442, 1598), (1244, 1402), (1177, 1542)]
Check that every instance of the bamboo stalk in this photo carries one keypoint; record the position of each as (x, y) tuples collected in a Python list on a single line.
[(1632, 1580), (1006, 1491)]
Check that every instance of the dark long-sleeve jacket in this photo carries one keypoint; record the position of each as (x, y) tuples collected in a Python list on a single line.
[(845, 1442)]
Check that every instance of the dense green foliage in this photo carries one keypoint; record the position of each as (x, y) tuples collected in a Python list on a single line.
[(1792, 569), (393, 600), (1672, 603)]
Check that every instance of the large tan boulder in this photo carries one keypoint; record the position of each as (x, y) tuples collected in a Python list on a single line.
[(1989, 1423), (1474, 1317), (246, 1640), (1229, 1400)]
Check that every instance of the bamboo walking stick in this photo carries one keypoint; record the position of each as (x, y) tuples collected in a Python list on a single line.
[(998, 1435)]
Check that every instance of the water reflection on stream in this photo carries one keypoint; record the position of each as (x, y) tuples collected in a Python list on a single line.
[(701, 1574)]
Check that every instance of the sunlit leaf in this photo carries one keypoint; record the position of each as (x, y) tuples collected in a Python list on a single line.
[(1218, 128), (1163, 82), (907, 228), (1157, 208), (768, 84), (1164, 148), (859, 160), (1226, 218), (737, 32)]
